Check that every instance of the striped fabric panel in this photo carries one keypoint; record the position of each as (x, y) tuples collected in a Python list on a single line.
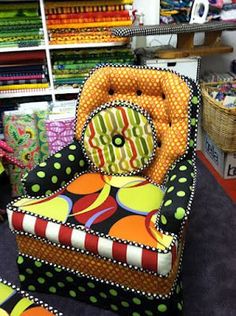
[(160, 263)]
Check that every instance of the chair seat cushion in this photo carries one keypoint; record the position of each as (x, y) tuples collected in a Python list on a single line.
[(110, 216)]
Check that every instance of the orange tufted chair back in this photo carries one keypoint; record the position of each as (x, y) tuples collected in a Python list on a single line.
[(163, 94)]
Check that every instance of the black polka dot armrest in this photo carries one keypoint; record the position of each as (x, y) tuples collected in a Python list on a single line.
[(178, 197), (55, 172)]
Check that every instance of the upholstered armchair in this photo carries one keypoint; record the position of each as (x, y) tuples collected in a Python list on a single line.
[(103, 220)]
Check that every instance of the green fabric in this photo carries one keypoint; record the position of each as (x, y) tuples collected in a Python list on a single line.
[(40, 118), (69, 81), (20, 21)]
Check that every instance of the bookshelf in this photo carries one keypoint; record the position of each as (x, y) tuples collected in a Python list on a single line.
[(48, 49)]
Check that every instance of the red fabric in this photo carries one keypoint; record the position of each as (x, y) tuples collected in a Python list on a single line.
[(91, 243), (65, 235), (17, 221), (40, 227), (13, 57), (119, 252), (85, 15), (149, 260), (174, 254)]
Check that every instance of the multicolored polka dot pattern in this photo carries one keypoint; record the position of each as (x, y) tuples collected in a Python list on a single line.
[(56, 171), (181, 180), (95, 292), (164, 95)]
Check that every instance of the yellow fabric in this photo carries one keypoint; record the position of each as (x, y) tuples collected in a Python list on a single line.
[(21, 306), (88, 25), (1, 168), (55, 4), (24, 86), (5, 292), (169, 115)]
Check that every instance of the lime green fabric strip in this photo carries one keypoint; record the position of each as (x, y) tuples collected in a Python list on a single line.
[(5, 292), (21, 306)]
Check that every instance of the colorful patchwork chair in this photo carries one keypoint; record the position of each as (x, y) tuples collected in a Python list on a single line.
[(14, 302), (104, 218)]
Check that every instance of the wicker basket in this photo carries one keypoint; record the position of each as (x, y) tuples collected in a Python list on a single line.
[(218, 121)]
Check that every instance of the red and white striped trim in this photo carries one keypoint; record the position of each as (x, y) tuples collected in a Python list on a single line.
[(160, 263)]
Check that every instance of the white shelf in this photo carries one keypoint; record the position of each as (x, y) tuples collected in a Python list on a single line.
[(21, 49), (25, 94), (66, 90), (87, 45), (1, 136)]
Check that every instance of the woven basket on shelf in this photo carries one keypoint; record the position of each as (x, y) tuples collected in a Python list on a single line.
[(218, 121)]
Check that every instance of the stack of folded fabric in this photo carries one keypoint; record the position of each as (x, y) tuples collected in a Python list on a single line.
[(23, 71), (173, 11), (228, 12), (70, 67), (73, 22), (20, 24)]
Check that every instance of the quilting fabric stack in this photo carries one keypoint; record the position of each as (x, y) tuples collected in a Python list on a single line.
[(25, 71), (228, 12), (73, 22), (20, 24), (173, 11), (70, 67)]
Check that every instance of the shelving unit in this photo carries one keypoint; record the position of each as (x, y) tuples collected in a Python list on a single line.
[(47, 48)]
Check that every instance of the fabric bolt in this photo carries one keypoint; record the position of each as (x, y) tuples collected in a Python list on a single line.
[(85, 25), (84, 9), (86, 3), (59, 133), (20, 133), (15, 22), (24, 86), (22, 81), (71, 67), (40, 119)]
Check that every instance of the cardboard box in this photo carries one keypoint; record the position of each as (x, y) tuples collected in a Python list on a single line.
[(223, 162)]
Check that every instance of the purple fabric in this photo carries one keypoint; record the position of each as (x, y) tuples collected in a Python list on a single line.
[(60, 133)]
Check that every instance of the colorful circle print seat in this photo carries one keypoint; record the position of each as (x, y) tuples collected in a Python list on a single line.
[(119, 138)]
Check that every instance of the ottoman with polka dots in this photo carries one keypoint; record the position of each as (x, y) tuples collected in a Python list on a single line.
[(15, 302), (103, 220)]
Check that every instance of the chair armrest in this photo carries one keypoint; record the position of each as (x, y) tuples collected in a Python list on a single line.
[(57, 170), (177, 200)]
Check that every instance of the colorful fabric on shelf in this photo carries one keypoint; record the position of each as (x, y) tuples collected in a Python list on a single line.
[(24, 86), (15, 22), (73, 19), (72, 66), (59, 133), (85, 25)]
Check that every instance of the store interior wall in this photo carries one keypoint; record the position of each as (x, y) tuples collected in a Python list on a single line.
[(217, 63)]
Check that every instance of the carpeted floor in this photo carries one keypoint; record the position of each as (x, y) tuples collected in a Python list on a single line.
[(209, 260)]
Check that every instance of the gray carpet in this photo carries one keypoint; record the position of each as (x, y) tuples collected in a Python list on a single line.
[(209, 260)]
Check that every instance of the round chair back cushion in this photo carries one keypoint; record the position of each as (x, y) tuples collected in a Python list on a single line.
[(119, 138)]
